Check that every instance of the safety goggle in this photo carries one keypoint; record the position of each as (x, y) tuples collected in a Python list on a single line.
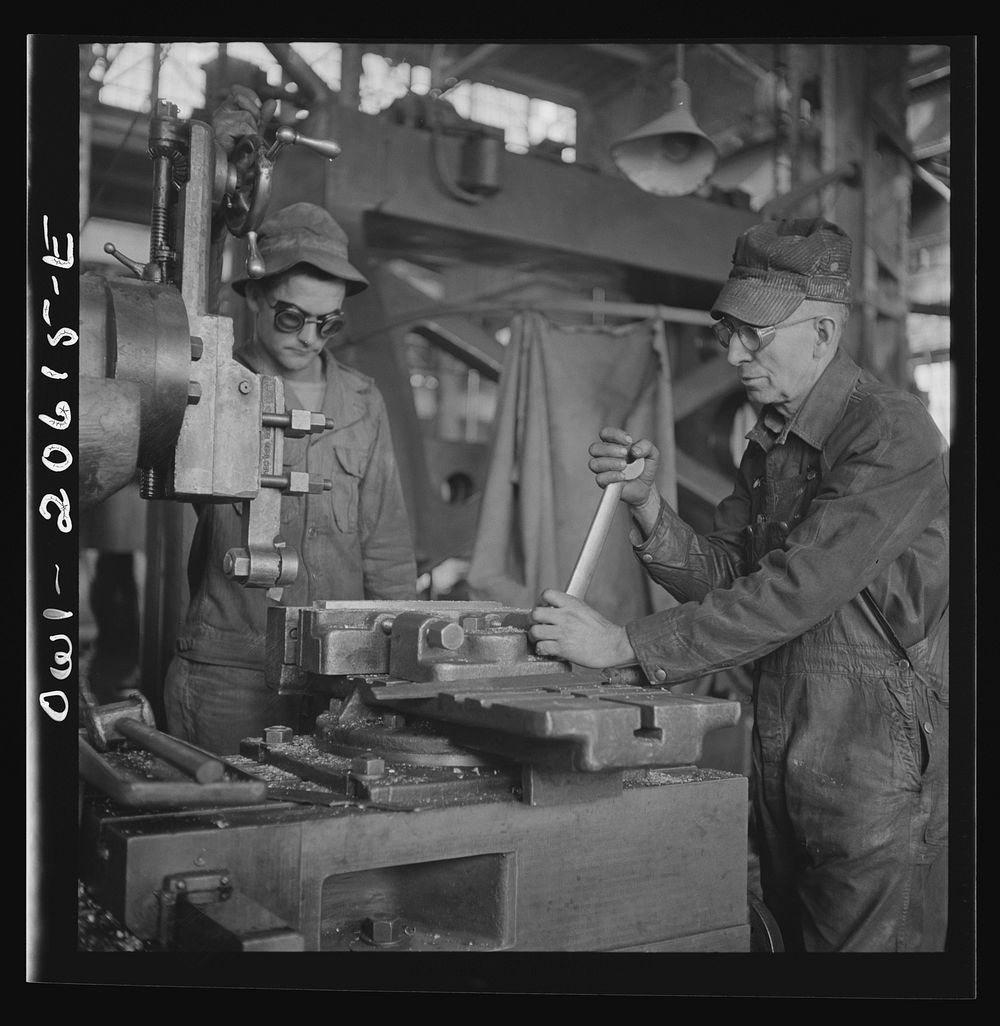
[(288, 318), (753, 338)]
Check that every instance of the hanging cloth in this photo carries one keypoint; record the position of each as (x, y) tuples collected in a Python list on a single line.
[(559, 386)]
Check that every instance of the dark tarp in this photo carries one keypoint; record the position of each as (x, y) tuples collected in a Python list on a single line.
[(559, 386)]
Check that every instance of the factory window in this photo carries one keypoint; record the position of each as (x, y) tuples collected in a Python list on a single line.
[(126, 78), (126, 75), (526, 122), (382, 81), (930, 348)]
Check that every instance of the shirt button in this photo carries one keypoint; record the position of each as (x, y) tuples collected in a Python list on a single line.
[(660, 674), (903, 664), (756, 483), (647, 558), (810, 473), (928, 729)]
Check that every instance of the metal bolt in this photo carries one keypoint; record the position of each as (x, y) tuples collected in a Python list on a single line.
[(236, 566), (278, 735), (194, 393), (383, 928), (197, 348), (244, 387), (368, 766), (442, 634)]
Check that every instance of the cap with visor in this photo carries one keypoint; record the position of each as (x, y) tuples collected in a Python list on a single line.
[(778, 265)]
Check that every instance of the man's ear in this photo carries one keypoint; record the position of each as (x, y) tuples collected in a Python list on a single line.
[(827, 331), (251, 297)]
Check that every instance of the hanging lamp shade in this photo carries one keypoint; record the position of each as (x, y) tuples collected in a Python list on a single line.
[(670, 156)]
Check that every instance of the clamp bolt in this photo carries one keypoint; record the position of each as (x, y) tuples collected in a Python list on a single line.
[(383, 929), (367, 766), (278, 735)]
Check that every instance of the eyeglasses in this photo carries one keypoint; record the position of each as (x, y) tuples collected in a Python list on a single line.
[(753, 339), (288, 318)]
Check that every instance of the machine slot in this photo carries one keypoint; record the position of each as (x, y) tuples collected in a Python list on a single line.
[(462, 904)]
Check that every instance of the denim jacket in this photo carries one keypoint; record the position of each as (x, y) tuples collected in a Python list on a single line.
[(353, 542), (850, 494)]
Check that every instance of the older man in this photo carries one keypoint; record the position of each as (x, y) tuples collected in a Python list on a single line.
[(827, 570)]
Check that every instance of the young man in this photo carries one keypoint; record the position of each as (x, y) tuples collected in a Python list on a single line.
[(353, 542), (827, 569)]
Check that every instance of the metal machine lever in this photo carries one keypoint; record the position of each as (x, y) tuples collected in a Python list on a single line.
[(593, 544), (286, 136)]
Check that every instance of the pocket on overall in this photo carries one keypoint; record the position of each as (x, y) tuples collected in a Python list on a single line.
[(777, 508), (929, 658), (348, 469), (899, 684)]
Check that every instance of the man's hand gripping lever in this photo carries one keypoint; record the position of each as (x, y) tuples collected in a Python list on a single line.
[(564, 625), (597, 534)]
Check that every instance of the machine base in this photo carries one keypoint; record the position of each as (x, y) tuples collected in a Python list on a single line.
[(659, 866)]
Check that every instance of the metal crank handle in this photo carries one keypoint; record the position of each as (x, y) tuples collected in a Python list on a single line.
[(593, 545), (286, 136)]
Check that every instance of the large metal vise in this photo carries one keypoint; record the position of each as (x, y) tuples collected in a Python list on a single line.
[(470, 669)]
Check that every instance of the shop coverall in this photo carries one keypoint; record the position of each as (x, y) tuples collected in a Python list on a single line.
[(827, 570), (353, 543)]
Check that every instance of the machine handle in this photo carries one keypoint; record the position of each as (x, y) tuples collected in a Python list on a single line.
[(586, 563), (286, 136)]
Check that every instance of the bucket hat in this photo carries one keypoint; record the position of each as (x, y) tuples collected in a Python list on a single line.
[(304, 233)]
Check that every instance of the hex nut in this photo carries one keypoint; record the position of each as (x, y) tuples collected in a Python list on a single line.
[(300, 423), (368, 766), (441, 634), (298, 482), (236, 565), (278, 735), (383, 928)]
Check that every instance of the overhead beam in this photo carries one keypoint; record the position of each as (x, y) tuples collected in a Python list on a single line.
[(532, 85), (387, 170), (741, 61), (314, 89), (465, 64), (624, 52)]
